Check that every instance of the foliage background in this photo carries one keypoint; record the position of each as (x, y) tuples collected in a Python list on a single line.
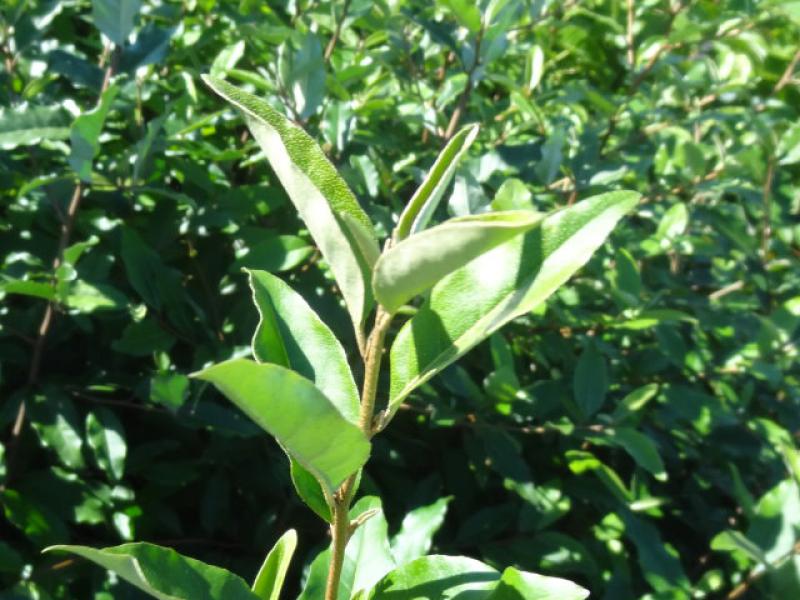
[(638, 436)]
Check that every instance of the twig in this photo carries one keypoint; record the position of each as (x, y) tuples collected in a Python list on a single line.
[(336, 32), (787, 74), (629, 36), (766, 229), (67, 224), (465, 95)]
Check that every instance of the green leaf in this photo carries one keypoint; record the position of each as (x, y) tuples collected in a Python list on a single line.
[(309, 490), (642, 449), (659, 563), (106, 437), (85, 133), (519, 585), (36, 289), (55, 420), (29, 126), (227, 59), (115, 18), (276, 254), (367, 556), (590, 382), (165, 574), (417, 530), (291, 334), (439, 577), (292, 409), (302, 72), (418, 262), (516, 277), (423, 203), (318, 192), (36, 521), (730, 540), (466, 12), (169, 389), (269, 581)]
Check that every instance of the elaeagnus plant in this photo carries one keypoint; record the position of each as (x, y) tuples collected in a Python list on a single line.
[(474, 274)]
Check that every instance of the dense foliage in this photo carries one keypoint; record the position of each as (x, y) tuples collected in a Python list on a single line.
[(637, 436)]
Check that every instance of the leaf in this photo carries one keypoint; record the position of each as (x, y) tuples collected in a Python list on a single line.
[(227, 59), (731, 540), (590, 382), (85, 133), (659, 563), (634, 401), (29, 126), (291, 334), (642, 450), (163, 573), (439, 577), (276, 254), (115, 18), (293, 410), (367, 556), (302, 72), (466, 12), (105, 436), (309, 490), (418, 262), (417, 530), (536, 67), (423, 203), (36, 289), (552, 157), (169, 389), (55, 420), (36, 521), (516, 277), (318, 192), (269, 581), (519, 585)]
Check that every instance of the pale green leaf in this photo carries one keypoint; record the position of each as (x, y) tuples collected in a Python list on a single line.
[(516, 277), (417, 530), (418, 262), (423, 203), (318, 192), (291, 334), (164, 574), (437, 577), (285, 404), (269, 581)]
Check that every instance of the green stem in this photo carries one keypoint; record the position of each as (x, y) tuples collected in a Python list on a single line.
[(340, 528)]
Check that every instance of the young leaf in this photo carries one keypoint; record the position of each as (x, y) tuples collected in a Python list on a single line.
[(519, 585), (318, 192), (309, 490), (293, 410), (269, 580), (291, 334), (164, 574), (423, 203), (474, 301), (418, 262), (367, 556), (417, 530)]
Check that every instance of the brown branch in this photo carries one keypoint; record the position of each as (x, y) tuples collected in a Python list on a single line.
[(787, 74), (67, 225), (465, 95), (336, 33), (629, 36)]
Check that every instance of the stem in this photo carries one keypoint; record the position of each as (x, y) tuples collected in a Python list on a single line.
[(337, 32), (340, 528), (67, 224)]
